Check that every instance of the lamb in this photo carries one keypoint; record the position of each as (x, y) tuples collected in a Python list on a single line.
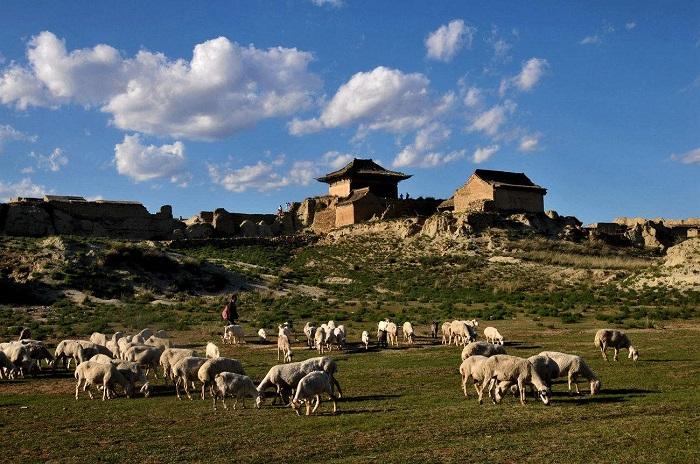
[(169, 357), (212, 367), (284, 349), (482, 349), (572, 366), (434, 329), (233, 334), (493, 336), (93, 373), (236, 385), (472, 368), (616, 339), (408, 333), (310, 387), (446, 333), (212, 351), (186, 370), (365, 339), (309, 331), (158, 342), (148, 357), (262, 334), (391, 331), (502, 370), (320, 339)]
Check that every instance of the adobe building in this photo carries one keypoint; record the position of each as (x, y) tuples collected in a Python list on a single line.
[(488, 190), (363, 173)]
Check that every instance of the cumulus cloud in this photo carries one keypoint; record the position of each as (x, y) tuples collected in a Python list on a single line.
[(9, 133), (482, 154), (23, 188), (262, 176), (223, 89), (491, 120), (336, 160), (530, 74), (421, 152), (381, 99), (148, 162), (529, 143), (53, 162), (689, 157), (594, 39), (444, 43)]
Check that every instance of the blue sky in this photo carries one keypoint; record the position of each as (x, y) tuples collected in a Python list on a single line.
[(241, 104)]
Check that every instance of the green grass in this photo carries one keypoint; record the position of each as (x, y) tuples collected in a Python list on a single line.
[(400, 405)]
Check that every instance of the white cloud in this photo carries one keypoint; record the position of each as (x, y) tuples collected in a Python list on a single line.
[(473, 97), (262, 176), (629, 25), (331, 3), (482, 154), (444, 43), (223, 89), (53, 162), (27, 170), (382, 99), (605, 30), (336, 160), (594, 39), (491, 120), (141, 163), (689, 157), (23, 188), (8, 133), (420, 152), (529, 143), (532, 71)]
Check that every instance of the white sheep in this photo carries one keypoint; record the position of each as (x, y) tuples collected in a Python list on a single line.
[(573, 366), (381, 325), (311, 387), (169, 357), (462, 332), (330, 338), (235, 385), (186, 370), (113, 346), (320, 339), (340, 334), (365, 339), (233, 334), (212, 351), (408, 333), (212, 367), (284, 349), (284, 329), (94, 373), (501, 371), (130, 370), (38, 352), (392, 333), (145, 334), (331, 325), (309, 331), (616, 339), (262, 334), (148, 357), (101, 358), (98, 338), (471, 368), (285, 377), (446, 333), (158, 342), (482, 349), (493, 336)]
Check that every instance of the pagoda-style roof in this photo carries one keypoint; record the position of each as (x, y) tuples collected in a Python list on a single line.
[(362, 168), (515, 180)]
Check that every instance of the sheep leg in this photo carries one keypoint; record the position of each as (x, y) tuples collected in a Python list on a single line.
[(308, 408), (334, 383), (317, 403), (187, 391), (214, 399), (177, 388), (464, 386), (480, 392), (521, 387), (603, 349), (203, 385), (235, 402), (77, 388), (616, 353)]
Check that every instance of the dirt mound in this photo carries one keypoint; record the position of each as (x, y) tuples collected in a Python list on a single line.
[(681, 268)]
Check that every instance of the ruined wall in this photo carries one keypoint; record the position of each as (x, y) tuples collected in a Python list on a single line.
[(518, 200), (344, 215), (340, 188), (473, 191)]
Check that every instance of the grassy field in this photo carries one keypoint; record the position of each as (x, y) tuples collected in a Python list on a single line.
[(400, 405)]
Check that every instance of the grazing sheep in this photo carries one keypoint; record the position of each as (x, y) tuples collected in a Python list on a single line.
[(284, 349), (233, 334), (74, 350), (144, 335), (462, 332), (311, 387), (434, 329), (212, 367), (186, 370), (38, 352), (330, 338), (18, 356), (132, 373), (381, 339), (320, 339), (408, 333), (158, 342), (493, 336), (501, 371), (98, 338), (94, 373), (616, 339), (101, 358), (392, 333), (148, 357), (262, 334), (235, 385), (285, 377), (471, 368), (546, 368), (113, 346), (339, 334), (309, 331), (169, 357), (365, 339), (446, 333), (482, 349), (212, 351), (572, 366)]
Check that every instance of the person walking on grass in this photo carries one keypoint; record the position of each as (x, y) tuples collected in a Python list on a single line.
[(229, 314)]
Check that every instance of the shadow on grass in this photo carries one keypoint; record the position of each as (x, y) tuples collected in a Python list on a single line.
[(345, 412), (664, 360), (627, 391), (522, 345), (602, 399), (353, 399)]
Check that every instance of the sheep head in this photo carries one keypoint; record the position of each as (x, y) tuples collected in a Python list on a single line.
[(595, 386), (633, 353), (544, 396)]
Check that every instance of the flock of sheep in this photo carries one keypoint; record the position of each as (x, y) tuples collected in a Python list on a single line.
[(127, 361)]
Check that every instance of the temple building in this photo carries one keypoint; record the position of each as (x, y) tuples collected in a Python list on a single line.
[(499, 191), (360, 174)]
